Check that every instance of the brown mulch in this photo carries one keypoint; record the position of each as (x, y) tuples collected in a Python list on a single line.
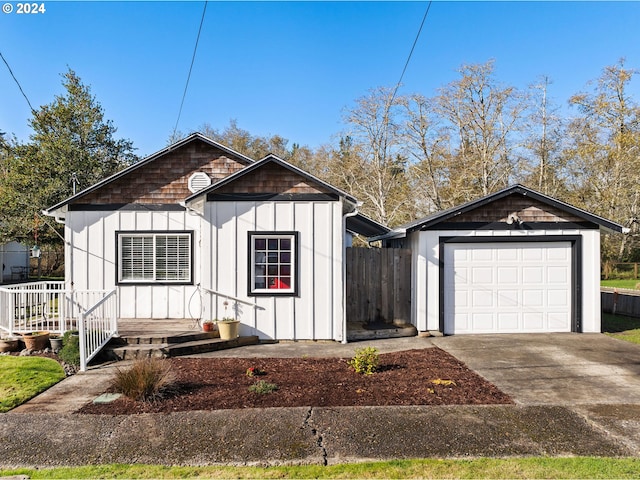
[(403, 378)]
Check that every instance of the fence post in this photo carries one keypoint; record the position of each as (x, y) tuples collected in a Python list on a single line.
[(82, 343)]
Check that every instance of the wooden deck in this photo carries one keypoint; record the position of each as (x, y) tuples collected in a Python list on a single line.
[(144, 327)]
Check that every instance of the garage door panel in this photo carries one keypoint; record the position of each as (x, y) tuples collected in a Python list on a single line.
[(507, 287), (557, 298), (507, 275), (481, 298), (558, 275), (482, 322), (532, 275), (533, 298), (534, 254), (508, 298), (482, 275), (508, 321), (533, 322), (482, 255)]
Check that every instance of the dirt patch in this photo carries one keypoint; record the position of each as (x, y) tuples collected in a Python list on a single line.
[(413, 377)]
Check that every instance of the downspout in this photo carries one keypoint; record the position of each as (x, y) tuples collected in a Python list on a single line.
[(344, 269)]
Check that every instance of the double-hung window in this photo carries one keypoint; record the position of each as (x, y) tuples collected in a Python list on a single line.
[(155, 257), (273, 258)]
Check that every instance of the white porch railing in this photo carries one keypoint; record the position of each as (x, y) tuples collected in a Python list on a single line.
[(97, 325), (48, 306)]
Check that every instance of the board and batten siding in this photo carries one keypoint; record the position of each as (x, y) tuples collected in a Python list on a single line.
[(425, 246), (91, 264), (316, 312)]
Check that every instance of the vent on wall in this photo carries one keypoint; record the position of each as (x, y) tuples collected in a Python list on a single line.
[(198, 181)]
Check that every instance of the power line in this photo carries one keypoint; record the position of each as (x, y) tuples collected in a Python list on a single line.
[(17, 82), (424, 18), (193, 58)]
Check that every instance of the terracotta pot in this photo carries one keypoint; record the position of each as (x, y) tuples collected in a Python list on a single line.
[(229, 329), (35, 340), (207, 326)]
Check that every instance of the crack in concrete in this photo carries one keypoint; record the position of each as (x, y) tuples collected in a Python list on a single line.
[(318, 436)]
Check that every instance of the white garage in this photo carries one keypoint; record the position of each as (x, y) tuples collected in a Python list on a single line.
[(516, 261), (507, 287)]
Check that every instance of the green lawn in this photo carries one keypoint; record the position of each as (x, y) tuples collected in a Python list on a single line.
[(630, 284), (621, 327), (22, 378), (574, 467)]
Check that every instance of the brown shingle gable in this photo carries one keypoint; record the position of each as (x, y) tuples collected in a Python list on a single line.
[(526, 208), (272, 178), (164, 181)]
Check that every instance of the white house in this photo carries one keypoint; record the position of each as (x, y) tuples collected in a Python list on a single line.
[(515, 261), (198, 230), (14, 257)]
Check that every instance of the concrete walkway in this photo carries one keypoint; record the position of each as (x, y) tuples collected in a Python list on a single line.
[(548, 418)]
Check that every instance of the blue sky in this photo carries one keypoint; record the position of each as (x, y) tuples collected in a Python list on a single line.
[(291, 68)]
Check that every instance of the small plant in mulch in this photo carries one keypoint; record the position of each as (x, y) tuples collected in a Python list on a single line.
[(365, 360), (147, 380), (263, 387), (254, 372), (444, 383)]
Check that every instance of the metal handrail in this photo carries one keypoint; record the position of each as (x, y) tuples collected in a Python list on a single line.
[(231, 297)]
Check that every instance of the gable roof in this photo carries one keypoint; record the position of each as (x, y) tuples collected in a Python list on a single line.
[(145, 161), (269, 159), (439, 217)]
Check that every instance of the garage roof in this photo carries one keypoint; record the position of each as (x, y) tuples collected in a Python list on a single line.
[(439, 217)]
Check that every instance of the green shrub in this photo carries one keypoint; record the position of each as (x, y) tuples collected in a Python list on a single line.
[(146, 380), (262, 387), (70, 351), (365, 360)]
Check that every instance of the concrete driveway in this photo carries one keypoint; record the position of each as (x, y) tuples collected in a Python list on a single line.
[(553, 369)]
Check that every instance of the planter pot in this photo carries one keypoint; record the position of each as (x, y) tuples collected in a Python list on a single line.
[(229, 330), (56, 343), (208, 327), (36, 340), (8, 345)]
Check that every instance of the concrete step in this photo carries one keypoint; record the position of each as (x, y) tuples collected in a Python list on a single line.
[(184, 346), (357, 332)]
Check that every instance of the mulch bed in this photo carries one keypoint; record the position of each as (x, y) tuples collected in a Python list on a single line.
[(403, 378)]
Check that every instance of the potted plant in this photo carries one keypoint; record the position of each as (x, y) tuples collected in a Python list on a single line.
[(228, 328), (8, 344), (207, 326), (35, 340), (56, 342)]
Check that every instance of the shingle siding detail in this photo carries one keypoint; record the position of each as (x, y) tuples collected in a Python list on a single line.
[(165, 180), (527, 209)]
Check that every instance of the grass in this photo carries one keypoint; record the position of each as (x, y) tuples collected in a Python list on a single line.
[(22, 378), (531, 467), (621, 327), (628, 283)]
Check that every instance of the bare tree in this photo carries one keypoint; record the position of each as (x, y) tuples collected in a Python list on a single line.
[(604, 152), (482, 115)]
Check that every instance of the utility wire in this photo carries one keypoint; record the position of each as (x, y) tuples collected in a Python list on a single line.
[(424, 18), (17, 82), (193, 58)]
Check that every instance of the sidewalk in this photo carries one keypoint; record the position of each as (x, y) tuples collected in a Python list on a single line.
[(44, 432)]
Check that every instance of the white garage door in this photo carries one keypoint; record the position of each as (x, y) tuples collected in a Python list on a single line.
[(507, 287)]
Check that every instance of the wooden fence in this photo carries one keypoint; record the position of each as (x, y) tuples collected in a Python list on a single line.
[(622, 302), (378, 285)]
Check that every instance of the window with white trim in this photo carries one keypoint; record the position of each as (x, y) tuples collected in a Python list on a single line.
[(272, 263), (154, 257)]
